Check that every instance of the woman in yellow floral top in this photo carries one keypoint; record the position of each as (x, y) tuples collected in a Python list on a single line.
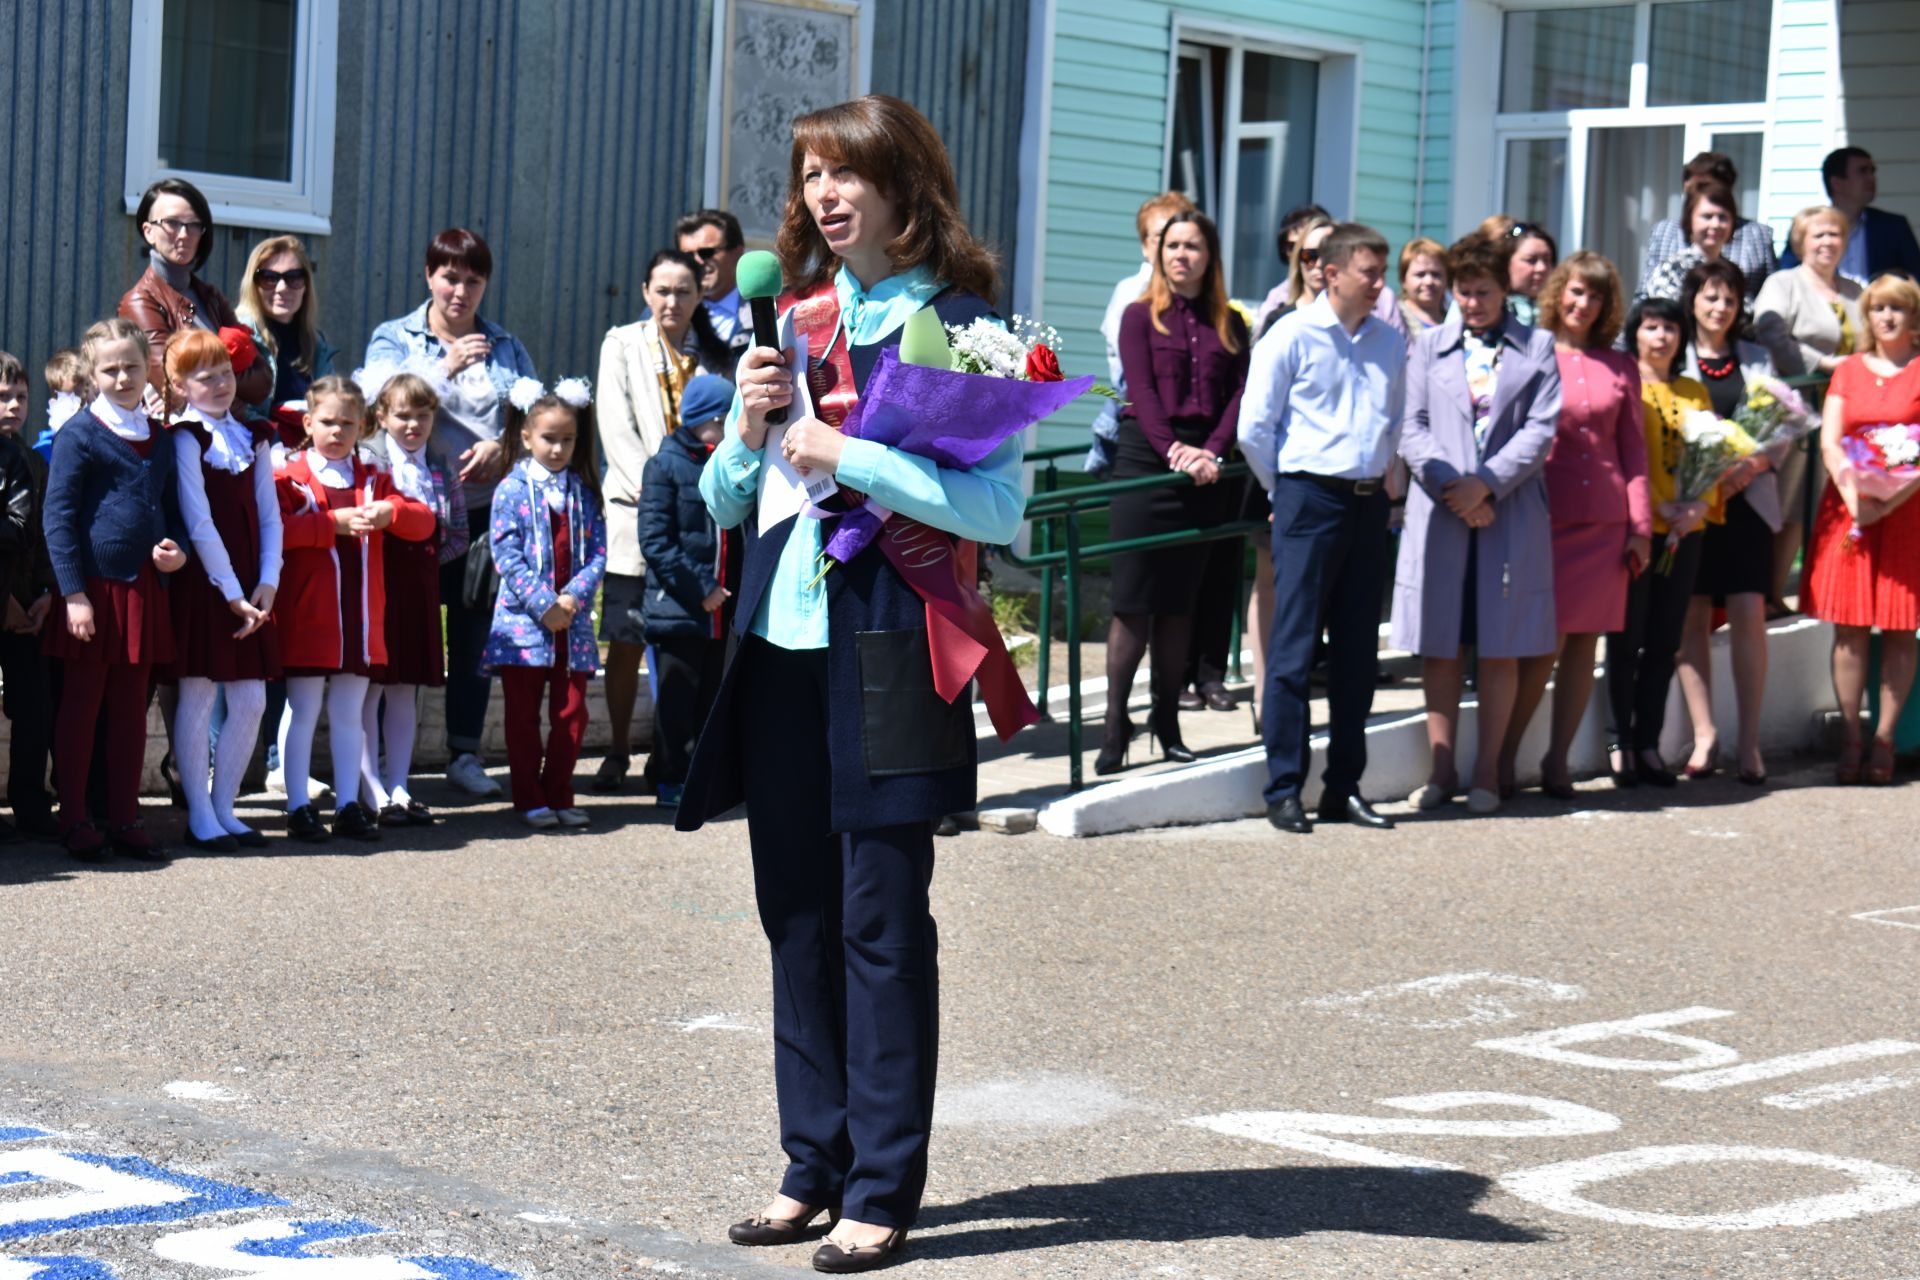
[(1640, 658)]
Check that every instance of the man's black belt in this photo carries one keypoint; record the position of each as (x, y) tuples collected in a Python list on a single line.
[(1339, 484)]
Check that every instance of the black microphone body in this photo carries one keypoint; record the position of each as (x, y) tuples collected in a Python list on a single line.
[(766, 333)]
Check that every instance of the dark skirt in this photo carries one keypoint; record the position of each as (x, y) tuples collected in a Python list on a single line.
[(1168, 580), (203, 626), (131, 623), (416, 651), (622, 596), (1736, 558)]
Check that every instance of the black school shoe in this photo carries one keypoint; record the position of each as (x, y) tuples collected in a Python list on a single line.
[(304, 824), (355, 823)]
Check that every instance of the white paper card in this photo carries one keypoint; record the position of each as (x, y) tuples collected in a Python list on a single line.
[(783, 490)]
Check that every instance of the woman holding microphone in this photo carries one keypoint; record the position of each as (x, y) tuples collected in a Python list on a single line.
[(827, 723)]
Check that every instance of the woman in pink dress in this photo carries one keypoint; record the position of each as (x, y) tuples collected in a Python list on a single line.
[(1597, 493)]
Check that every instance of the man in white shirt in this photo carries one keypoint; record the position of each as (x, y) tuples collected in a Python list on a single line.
[(713, 236), (1319, 425)]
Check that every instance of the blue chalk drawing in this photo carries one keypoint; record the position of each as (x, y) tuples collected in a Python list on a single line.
[(64, 1267), (116, 1206), (459, 1269), (306, 1233), (21, 1133), (16, 1178)]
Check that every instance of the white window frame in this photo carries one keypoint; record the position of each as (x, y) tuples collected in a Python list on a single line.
[(1486, 20), (303, 204), (1336, 130)]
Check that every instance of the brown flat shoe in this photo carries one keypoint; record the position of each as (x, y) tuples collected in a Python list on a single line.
[(761, 1231), (1879, 764), (835, 1260)]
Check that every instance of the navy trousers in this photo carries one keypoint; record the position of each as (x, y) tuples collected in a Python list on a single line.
[(1329, 570), (469, 687), (855, 957)]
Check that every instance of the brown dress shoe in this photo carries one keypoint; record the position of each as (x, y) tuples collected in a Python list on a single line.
[(760, 1230), (831, 1258)]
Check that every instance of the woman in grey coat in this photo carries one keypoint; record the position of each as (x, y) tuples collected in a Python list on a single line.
[(1476, 557)]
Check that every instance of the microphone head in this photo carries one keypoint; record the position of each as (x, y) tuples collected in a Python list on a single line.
[(758, 275)]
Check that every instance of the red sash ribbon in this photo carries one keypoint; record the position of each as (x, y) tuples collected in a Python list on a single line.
[(962, 640)]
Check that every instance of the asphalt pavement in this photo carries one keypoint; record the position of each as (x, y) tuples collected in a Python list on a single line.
[(1600, 1040)]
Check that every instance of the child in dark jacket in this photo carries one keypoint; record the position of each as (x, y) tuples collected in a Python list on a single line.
[(685, 613), (28, 592)]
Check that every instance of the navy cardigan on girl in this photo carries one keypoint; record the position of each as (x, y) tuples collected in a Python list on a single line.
[(106, 506)]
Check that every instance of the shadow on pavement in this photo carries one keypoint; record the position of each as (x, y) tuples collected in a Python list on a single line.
[(1260, 1204)]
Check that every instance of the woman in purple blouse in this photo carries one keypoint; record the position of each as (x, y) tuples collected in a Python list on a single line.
[(1184, 352)]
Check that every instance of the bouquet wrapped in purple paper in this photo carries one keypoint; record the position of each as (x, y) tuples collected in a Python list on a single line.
[(952, 404)]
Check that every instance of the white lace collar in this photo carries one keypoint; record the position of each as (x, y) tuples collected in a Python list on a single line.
[(128, 424), (334, 473), (230, 443), (549, 485)]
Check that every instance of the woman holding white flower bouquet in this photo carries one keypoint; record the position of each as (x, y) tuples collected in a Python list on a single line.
[(1864, 570), (1184, 351), (1640, 656), (1736, 556), (837, 721)]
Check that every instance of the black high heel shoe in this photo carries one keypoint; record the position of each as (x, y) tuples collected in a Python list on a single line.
[(1654, 774), (1628, 778), (1170, 745), (1113, 757)]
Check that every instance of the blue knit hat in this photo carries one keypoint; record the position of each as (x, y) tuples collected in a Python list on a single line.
[(707, 396)]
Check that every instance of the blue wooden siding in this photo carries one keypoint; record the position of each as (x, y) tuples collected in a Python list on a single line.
[(568, 133), (1804, 100)]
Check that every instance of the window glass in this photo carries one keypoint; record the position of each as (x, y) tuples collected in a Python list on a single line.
[(226, 88), (1274, 174), (1562, 59), (1708, 51), (1633, 181), (1744, 150), (1191, 163), (1536, 189), (1276, 88)]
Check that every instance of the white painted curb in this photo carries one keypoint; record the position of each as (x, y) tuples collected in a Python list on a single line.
[(1799, 690)]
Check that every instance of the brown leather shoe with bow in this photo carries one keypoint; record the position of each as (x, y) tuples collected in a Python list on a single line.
[(760, 1230)]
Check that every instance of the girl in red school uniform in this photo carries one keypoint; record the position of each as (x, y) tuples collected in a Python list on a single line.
[(550, 545), (404, 405), (113, 526), (223, 632), (337, 511)]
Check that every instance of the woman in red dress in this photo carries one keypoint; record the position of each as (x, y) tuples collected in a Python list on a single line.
[(1865, 568)]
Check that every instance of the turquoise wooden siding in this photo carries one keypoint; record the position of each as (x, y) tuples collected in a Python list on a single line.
[(1804, 97), (1107, 137)]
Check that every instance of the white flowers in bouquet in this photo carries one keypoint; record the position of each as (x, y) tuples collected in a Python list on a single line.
[(1897, 445), (1705, 429), (985, 347)]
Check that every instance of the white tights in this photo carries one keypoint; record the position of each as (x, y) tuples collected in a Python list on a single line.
[(211, 817), (388, 785), (345, 696)]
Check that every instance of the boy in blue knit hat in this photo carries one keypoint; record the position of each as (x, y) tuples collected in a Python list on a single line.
[(686, 611)]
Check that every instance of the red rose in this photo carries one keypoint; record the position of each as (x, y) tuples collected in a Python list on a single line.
[(1042, 364)]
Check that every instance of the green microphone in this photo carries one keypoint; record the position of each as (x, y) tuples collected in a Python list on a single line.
[(758, 278)]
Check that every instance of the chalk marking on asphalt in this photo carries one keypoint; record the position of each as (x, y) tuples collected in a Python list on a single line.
[(109, 1191), (1046, 1100), (199, 1091), (1305, 1130), (713, 1022), (1790, 1064), (1880, 917), (1821, 1095), (64, 1267), (1877, 1188), (1718, 835), (547, 1219), (1483, 998), (1551, 1046), (276, 1249)]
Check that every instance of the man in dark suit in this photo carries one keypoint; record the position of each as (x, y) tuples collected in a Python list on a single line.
[(1881, 240)]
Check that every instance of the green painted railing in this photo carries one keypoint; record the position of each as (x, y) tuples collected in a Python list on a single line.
[(1059, 554)]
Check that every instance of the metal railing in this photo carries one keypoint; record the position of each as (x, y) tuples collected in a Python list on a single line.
[(1064, 557)]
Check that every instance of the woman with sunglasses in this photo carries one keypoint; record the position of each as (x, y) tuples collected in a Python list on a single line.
[(169, 296), (279, 303)]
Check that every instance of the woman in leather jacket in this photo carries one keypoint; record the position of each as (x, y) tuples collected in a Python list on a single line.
[(170, 295)]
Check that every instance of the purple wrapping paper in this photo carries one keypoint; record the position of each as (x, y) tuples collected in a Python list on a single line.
[(953, 419)]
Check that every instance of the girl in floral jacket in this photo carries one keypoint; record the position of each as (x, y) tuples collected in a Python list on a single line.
[(550, 547)]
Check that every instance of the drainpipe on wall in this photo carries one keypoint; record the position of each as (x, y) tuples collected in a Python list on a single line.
[(1420, 143)]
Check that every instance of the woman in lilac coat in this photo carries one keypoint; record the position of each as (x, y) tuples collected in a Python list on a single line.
[(1476, 557)]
